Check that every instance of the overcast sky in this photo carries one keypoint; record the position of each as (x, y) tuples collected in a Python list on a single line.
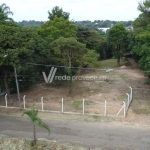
[(79, 9)]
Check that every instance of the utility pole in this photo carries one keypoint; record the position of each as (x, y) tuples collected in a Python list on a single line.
[(17, 85)]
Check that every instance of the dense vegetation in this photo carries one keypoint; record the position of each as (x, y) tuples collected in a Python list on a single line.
[(89, 24), (63, 42)]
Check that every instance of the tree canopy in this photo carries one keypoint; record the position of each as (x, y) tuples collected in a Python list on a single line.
[(58, 12), (117, 36)]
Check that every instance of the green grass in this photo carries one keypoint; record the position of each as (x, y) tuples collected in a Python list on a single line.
[(121, 98), (142, 111), (78, 104), (95, 117), (109, 63)]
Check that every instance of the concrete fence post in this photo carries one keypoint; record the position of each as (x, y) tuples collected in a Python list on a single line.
[(24, 101), (6, 100), (83, 107), (131, 94), (42, 104), (122, 108), (128, 101)]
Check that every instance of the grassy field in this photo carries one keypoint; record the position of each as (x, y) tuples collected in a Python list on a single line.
[(109, 63)]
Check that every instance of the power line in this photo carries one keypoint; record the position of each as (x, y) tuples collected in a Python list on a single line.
[(81, 67)]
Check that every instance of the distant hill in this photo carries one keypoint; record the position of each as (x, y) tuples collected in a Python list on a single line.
[(31, 23), (91, 25), (97, 24)]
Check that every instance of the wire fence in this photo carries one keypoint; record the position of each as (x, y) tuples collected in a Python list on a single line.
[(89, 107)]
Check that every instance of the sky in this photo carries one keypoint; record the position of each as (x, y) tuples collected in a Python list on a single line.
[(117, 10)]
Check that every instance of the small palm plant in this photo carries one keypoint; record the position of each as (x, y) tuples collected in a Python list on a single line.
[(33, 115)]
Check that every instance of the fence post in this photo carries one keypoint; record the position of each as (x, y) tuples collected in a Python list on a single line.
[(6, 100), (124, 109), (42, 103), (24, 102), (128, 100), (62, 105), (105, 110), (131, 94), (83, 107)]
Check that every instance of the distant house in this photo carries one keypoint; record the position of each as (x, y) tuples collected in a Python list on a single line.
[(103, 29)]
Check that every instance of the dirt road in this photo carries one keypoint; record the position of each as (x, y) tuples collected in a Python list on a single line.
[(107, 135)]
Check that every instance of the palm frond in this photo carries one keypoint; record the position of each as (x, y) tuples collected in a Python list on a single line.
[(5, 11), (42, 124), (9, 19), (33, 115), (8, 13)]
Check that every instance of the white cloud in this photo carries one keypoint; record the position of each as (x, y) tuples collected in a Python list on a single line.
[(78, 9)]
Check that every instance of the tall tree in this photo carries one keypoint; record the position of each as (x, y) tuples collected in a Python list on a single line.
[(104, 49), (143, 19), (69, 53), (18, 46), (117, 36), (141, 49), (5, 12), (89, 37), (58, 12), (56, 28)]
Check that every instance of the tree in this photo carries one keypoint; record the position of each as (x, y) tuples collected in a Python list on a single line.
[(117, 36), (104, 49), (89, 37), (142, 49), (91, 58), (33, 115), (69, 53), (5, 12), (56, 28), (18, 46), (143, 19), (58, 12), (144, 7)]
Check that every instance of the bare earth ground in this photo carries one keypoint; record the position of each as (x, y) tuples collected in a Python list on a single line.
[(95, 93)]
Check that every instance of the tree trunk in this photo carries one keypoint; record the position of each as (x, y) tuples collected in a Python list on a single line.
[(34, 135), (118, 61), (70, 83), (70, 75), (6, 85)]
